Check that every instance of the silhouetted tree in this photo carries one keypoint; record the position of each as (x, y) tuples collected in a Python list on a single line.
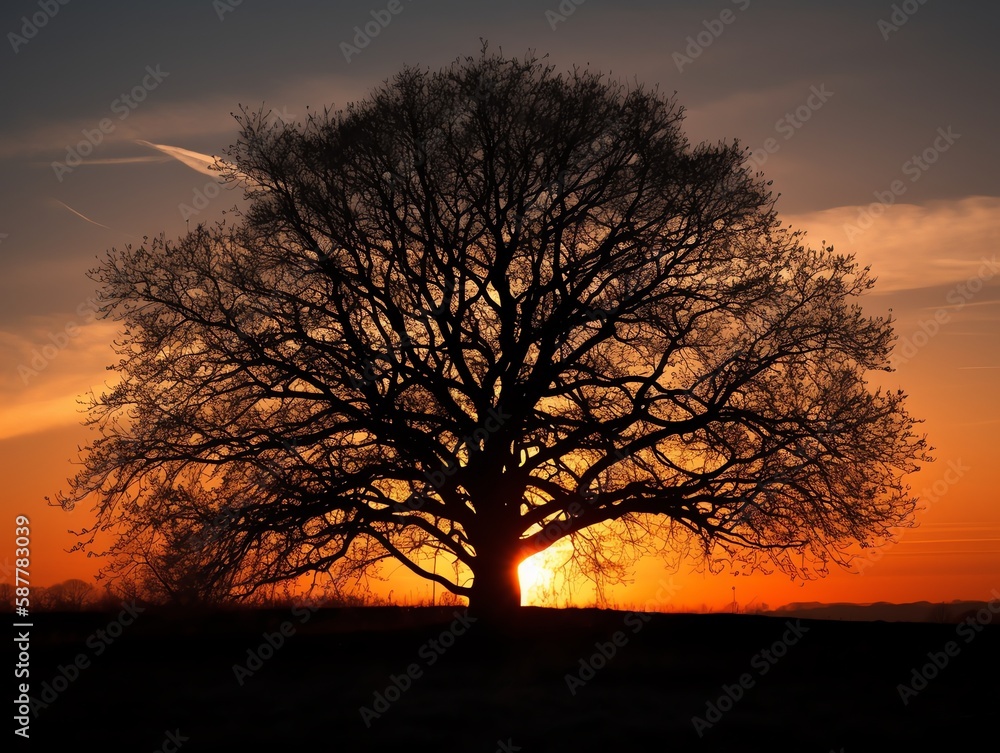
[(6, 597), (485, 309), (69, 596)]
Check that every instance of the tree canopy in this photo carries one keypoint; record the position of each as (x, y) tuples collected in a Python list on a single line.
[(484, 309)]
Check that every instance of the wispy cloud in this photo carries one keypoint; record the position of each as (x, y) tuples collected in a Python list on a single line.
[(947, 541), (914, 246), (119, 161), (43, 384), (948, 552)]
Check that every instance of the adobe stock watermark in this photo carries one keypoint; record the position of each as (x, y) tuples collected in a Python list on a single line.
[(368, 368), (607, 650), (43, 355), (436, 136), (714, 28), (914, 168), (416, 500), (476, 442), (958, 297), (563, 11), (788, 125), (762, 662), (47, 10), (363, 35), (98, 642), (430, 652), (551, 190), (745, 504), (202, 196), (172, 741), (122, 106), (222, 7), (955, 473), (217, 527), (968, 629), (901, 13), (272, 642)]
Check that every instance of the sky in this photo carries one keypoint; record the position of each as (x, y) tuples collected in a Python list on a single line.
[(876, 122)]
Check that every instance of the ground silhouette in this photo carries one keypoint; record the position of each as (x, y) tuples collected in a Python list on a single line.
[(836, 687)]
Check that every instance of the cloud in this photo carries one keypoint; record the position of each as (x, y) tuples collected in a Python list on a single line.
[(913, 246), (948, 552), (120, 161), (755, 112), (948, 541), (195, 119), (52, 362)]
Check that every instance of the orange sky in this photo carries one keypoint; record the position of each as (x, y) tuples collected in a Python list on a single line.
[(881, 132), (953, 554)]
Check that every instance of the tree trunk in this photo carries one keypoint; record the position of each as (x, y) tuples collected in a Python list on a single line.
[(496, 588)]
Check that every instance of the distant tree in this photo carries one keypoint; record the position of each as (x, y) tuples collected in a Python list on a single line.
[(128, 584), (39, 599), (485, 309), (6, 597), (69, 596)]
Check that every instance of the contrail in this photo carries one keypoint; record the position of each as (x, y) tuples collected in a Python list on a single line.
[(195, 160), (115, 161), (85, 218), (202, 163), (81, 216), (126, 160)]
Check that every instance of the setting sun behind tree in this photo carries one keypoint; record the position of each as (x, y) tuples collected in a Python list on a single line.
[(485, 310)]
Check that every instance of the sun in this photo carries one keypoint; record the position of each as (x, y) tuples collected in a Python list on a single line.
[(533, 573), (542, 575)]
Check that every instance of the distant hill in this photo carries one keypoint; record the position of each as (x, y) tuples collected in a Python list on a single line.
[(919, 611)]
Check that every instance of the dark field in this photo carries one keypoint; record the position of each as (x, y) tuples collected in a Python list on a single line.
[(834, 688)]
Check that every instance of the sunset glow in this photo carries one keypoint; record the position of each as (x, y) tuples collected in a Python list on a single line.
[(544, 576), (874, 144)]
